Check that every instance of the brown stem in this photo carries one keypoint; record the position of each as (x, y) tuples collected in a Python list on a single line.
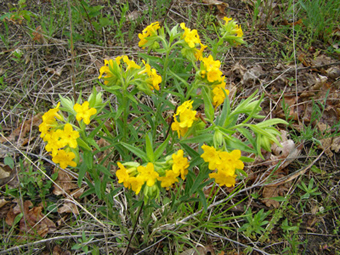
[(167, 12), (134, 229)]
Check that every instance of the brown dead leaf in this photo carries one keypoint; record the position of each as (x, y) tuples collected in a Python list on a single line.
[(199, 251), (33, 221), (58, 251), (287, 153), (68, 207), (18, 135), (221, 6), (7, 174), (133, 15), (57, 71), (38, 35), (333, 72), (305, 60), (336, 144), (252, 75), (3, 202), (273, 191), (65, 181)]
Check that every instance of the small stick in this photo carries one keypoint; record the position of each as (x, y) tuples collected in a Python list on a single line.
[(134, 229), (166, 14)]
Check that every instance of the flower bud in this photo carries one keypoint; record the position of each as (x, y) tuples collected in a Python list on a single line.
[(67, 104), (151, 192), (218, 138)]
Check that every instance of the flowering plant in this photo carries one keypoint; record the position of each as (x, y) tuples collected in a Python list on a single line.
[(160, 139)]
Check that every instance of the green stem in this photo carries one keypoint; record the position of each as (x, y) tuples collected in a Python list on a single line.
[(125, 116)]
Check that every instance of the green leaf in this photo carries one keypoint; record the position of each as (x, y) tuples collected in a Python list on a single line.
[(202, 199), (9, 162), (159, 151), (271, 122), (92, 142), (88, 192), (198, 139), (82, 172), (149, 148), (96, 130), (246, 159), (88, 158), (240, 171), (279, 198), (138, 152), (247, 134), (225, 112), (192, 153), (83, 144), (208, 106), (235, 143), (104, 170)]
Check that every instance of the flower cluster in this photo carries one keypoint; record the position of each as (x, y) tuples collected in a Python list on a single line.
[(192, 39), (147, 34), (134, 176), (62, 138), (183, 118), (154, 79), (210, 71), (111, 71), (113, 74), (224, 162), (231, 32), (84, 112)]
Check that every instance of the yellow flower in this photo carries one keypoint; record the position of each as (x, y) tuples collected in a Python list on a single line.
[(219, 95), (180, 164), (154, 79), (148, 174), (169, 179), (49, 119), (211, 156), (117, 59), (186, 118), (136, 183), (231, 32), (175, 127), (123, 175), (150, 30), (68, 136), (106, 70), (227, 20), (210, 63), (83, 112), (191, 37), (64, 159), (232, 159), (222, 178), (238, 31), (199, 53), (44, 129), (130, 63), (214, 75), (53, 143)]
